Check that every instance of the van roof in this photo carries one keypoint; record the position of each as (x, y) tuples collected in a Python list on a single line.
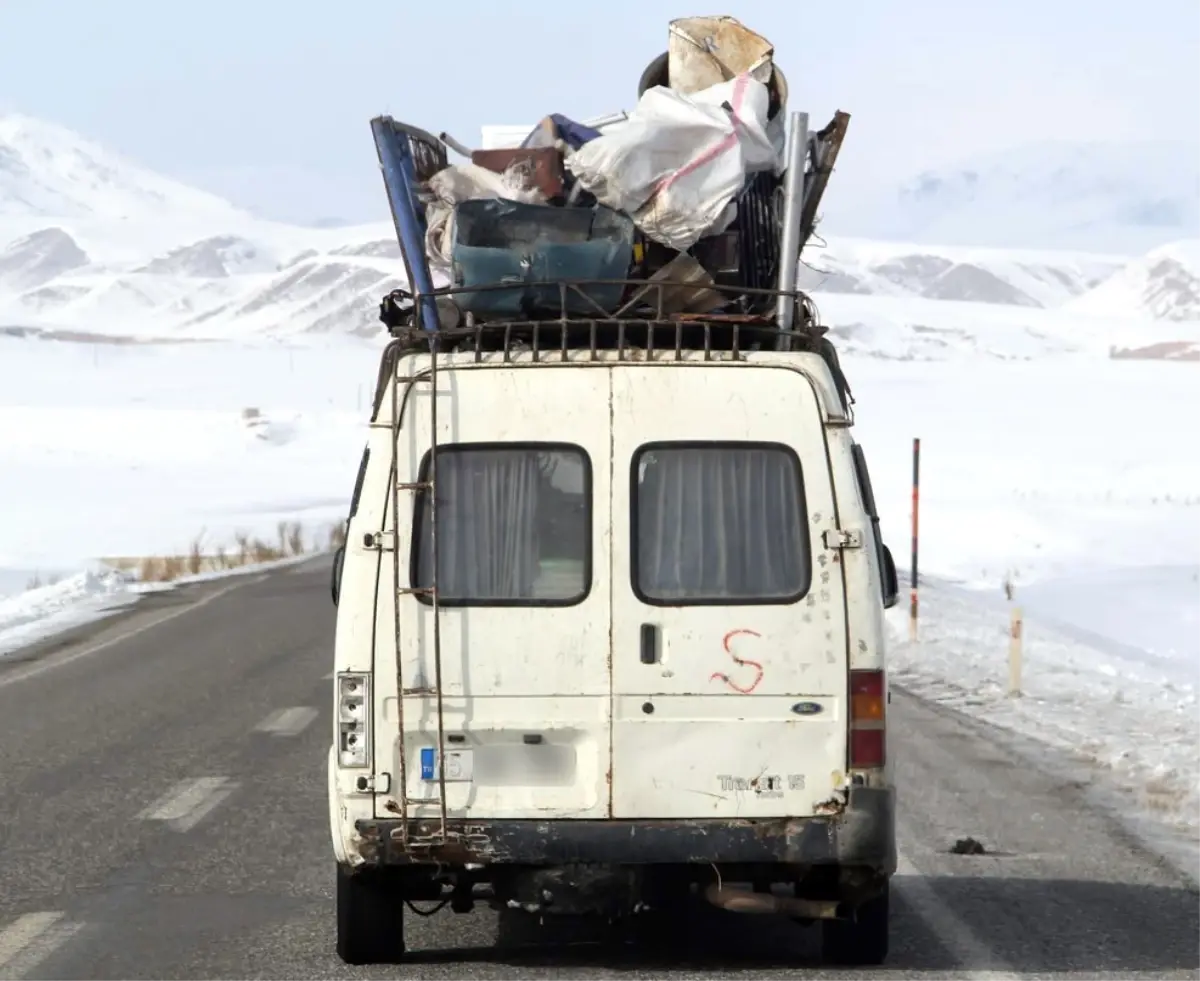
[(546, 344)]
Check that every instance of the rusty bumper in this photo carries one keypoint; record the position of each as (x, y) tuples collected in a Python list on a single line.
[(863, 835)]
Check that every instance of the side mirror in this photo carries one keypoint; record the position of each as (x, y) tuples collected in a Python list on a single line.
[(891, 586), (335, 580)]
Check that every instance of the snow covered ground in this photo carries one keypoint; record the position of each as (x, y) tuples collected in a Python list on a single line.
[(1078, 478), (1056, 467), (144, 449), (1120, 719), (31, 612), (1075, 474)]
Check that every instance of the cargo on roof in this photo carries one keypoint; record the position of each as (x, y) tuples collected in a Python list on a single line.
[(708, 183)]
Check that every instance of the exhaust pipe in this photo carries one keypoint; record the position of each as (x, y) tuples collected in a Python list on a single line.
[(738, 900)]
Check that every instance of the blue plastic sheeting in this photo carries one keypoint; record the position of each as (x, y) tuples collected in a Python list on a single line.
[(558, 127), (535, 247)]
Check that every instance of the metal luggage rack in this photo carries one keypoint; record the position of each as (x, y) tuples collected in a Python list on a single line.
[(637, 326), (403, 313), (755, 301)]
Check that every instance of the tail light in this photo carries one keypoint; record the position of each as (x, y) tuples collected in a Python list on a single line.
[(354, 748), (868, 719)]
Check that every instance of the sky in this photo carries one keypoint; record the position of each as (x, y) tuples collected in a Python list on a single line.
[(267, 102)]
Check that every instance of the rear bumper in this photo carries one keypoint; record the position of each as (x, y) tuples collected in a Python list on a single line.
[(863, 835)]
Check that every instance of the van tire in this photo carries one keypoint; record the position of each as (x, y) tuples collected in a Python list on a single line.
[(861, 942), (370, 919)]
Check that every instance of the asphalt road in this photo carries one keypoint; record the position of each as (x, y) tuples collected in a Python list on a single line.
[(162, 815)]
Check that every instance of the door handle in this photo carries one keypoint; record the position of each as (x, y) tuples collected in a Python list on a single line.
[(649, 643)]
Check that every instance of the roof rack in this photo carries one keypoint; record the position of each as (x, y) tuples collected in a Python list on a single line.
[(635, 331), (568, 301)]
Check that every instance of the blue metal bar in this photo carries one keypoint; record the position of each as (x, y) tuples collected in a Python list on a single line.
[(400, 180)]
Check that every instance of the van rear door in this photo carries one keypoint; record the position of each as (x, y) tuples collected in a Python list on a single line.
[(729, 662), (522, 489)]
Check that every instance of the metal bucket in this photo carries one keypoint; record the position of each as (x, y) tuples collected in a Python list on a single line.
[(658, 72), (705, 51)]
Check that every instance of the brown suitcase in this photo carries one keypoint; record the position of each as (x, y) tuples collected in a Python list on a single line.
[(539, 167)]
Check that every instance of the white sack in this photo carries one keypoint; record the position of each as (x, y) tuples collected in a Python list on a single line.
[(679, 160)]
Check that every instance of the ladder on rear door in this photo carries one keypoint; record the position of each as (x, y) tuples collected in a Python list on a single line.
[(421, 489)]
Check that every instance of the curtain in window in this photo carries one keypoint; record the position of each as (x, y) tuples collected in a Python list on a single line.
[(716, 523), (487, 525)]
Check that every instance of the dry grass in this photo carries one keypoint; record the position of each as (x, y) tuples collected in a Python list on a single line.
[(337, 536), (292, 540), (195, 560)]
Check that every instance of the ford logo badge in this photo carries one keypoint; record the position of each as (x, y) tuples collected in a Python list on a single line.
[(807, 708)]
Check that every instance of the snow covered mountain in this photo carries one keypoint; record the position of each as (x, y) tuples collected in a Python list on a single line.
[(46, 169), (1123, 198), (332, 281), (1163, 284), (219, 286), (37, 258), (333, 292), (1007, 277)]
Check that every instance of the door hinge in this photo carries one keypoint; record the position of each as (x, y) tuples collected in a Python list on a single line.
[(379, 783), (380, 541), (842, 538)]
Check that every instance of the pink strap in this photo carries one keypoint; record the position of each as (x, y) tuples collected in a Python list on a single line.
[(726, 143)]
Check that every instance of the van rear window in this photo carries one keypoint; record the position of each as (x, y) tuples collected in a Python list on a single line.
[(513, 525), (719, 523)]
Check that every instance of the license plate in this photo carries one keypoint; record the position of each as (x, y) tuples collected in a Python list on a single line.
[(458, 764)]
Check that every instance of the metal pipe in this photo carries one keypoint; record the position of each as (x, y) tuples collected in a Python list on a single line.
[(738, 900), (453, 144), (609, 119), (793, 206)]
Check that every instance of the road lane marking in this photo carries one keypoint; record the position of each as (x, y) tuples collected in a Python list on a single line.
[(960, 940), (42, 666), (189, 802), (288, 721), (30, 939)]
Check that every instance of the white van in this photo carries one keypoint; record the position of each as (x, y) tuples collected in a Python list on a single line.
[(649, 644)]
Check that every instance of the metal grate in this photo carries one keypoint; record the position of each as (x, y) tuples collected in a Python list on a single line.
[(428, 152), (757, 224)]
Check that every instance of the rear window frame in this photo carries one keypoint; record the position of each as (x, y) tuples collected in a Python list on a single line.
[(806, 544), (415, 539)]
